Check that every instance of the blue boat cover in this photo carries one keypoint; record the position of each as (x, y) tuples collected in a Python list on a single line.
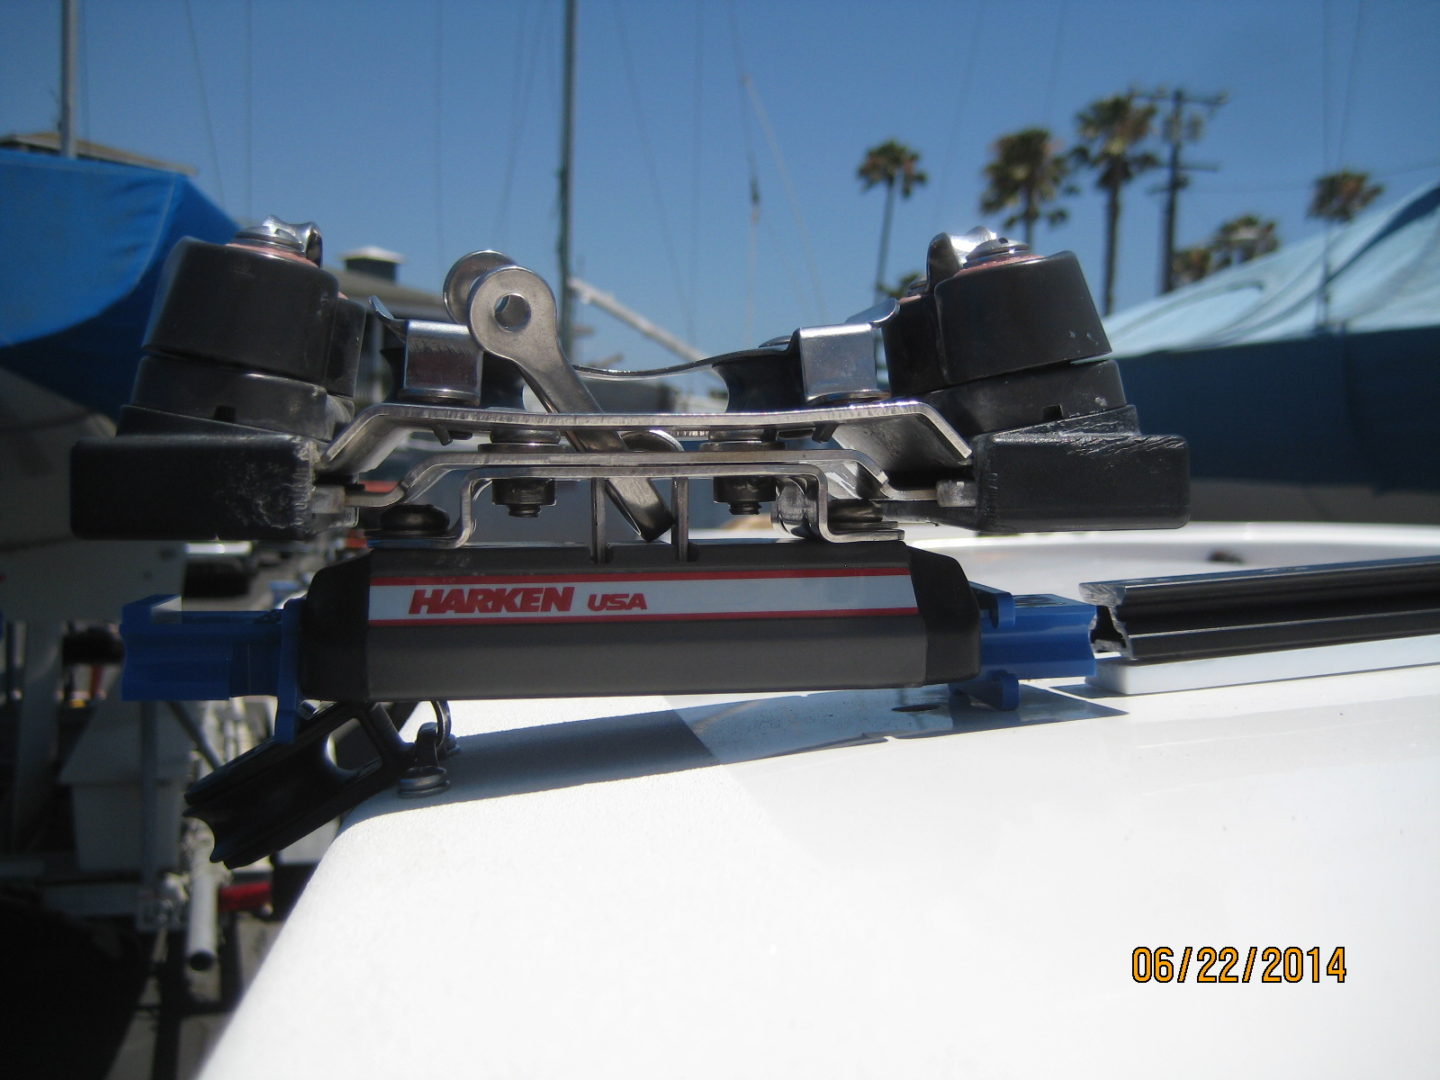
[(1379, 272), (1319, 364), (81, 247)]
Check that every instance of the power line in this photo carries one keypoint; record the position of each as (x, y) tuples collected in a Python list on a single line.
[(1305, 185)]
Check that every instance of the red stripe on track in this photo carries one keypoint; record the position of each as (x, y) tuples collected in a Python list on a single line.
[(842, 613)]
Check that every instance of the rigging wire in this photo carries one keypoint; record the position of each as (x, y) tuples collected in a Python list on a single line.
[(1323, 299), (1055, 59), (83, 127), (962, 101), (1349, 104), (751, 247), (1322, 294), (1325, 84), (657, 191), (204, 103), (527, 62), (751, 93), (439, 114), (249, 110), (697, 150), (791, 196), (791, 275)]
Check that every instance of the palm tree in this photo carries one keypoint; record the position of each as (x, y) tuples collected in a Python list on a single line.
[(1243, 238), (1191, 264), (902, 286), (893, 164), (1112, 130), (1339, 196), (1027, 171)]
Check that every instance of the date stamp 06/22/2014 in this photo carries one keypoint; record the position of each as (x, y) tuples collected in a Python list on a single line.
[(1229, 964)]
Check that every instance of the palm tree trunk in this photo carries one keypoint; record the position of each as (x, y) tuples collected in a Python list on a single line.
[(884, 241), (1112, 238), (1031, 213)]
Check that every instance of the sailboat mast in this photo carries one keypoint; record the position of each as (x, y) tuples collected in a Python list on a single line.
[(69, 63), (567, 150)]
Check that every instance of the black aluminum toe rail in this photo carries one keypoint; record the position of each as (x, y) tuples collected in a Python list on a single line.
[(1289, 607)]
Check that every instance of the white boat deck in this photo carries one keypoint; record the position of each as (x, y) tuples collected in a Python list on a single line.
[(889, 884)]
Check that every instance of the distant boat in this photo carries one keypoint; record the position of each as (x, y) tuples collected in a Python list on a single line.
[(89, 238), (1306, 381)]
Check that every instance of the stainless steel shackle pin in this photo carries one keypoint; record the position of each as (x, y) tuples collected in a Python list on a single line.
[(511, 314)]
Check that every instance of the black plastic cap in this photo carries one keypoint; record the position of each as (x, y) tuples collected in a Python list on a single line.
[(193, 487), (247, 309)]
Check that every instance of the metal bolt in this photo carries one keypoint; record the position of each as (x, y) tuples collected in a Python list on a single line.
[(854, 515), (744, 494), (407, 520), (443, 747), (524, 495), (995, 250), (948, 253), (524, 438), (427, 776), (302, 239), (422, 780)]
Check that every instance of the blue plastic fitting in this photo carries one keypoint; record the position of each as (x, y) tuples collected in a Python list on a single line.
[(1036, 636), (174, 655)]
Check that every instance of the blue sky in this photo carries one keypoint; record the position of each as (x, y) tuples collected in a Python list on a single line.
[(431, 127)]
